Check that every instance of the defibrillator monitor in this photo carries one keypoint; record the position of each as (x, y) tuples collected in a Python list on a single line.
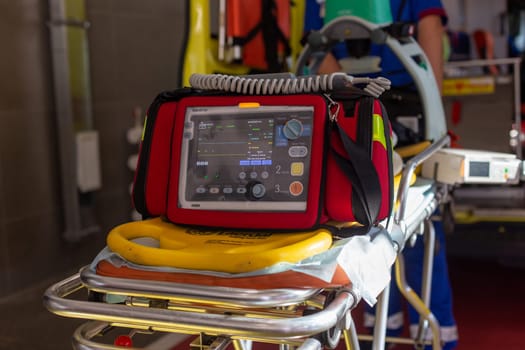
[(246, 158)]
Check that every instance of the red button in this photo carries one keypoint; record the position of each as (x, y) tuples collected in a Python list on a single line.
[(124, 341)]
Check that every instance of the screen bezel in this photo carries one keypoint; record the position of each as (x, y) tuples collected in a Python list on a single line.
[(242, 206)]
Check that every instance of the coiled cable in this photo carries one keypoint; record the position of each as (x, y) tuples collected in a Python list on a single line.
[(284, 84)]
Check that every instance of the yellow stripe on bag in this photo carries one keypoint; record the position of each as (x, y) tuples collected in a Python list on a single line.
[(378, 130), (144, 128)]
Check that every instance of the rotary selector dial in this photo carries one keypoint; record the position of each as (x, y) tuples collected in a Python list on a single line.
[(293, 129), (256, 190)]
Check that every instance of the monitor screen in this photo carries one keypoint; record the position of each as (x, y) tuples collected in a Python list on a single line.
[(246, 158), (479, 169)]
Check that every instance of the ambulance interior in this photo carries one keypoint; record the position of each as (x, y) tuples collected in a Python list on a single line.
[(474, 164)]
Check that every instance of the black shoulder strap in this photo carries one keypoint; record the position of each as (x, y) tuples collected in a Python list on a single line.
[(361, 172)]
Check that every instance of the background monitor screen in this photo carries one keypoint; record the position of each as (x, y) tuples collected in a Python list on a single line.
[(479, 169)]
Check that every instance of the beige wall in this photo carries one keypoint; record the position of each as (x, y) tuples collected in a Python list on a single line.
[(135, 47)]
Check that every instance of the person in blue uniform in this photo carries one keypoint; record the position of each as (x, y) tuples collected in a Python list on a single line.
[(429, 17)]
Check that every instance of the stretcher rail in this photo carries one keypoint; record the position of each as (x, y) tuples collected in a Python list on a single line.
[(196, 322), (234, 297), (408, 171), (405, 223), (83, 335)]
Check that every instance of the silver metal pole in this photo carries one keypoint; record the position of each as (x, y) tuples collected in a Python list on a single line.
[(426, 285), (66, 106), (379, 340), (64, 120), (416, 302)]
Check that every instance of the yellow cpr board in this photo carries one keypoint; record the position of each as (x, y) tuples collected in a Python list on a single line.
[(213, 250)]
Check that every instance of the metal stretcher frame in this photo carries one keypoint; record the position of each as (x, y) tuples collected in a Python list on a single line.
[(240, 316), (230, 312)]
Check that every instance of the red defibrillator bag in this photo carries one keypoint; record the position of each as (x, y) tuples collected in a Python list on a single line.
[(264, 162)]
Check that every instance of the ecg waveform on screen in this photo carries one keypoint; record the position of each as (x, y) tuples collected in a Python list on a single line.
[(248, 140)]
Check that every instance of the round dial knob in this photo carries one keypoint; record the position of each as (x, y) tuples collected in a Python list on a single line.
[(256, 190), (293, 129)]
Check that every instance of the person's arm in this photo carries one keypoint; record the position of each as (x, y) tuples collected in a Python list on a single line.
[(430, 37)]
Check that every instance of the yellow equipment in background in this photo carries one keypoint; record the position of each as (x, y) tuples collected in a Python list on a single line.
[(206, 53)]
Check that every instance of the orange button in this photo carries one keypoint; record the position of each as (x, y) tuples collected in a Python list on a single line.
[(296, 188)]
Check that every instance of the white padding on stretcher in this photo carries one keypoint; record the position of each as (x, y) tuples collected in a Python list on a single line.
[(366, 260), (369, 262), (418, 194)]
